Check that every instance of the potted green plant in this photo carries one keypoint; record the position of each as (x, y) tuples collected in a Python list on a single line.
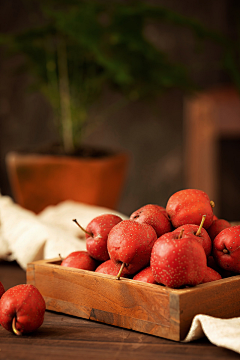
[(76, 49)]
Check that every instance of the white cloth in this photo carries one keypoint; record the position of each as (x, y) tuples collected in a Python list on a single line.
[(27, 237), (220, 332)]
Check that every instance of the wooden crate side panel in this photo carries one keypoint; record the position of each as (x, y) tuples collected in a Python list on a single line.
[(30, 274), (219, 299), (174, 314), (124, 303)]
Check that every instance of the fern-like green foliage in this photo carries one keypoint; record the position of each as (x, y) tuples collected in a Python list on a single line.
[(105, 44)]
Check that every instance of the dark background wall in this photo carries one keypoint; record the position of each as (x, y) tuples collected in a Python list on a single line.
[(152, 133)]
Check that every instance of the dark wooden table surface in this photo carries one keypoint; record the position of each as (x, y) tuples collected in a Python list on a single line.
[(67, 337)]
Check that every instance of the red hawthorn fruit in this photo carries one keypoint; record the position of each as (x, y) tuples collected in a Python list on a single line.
[(80, 260), (153, 215), (188, 207), (145, 275), (211, 275), (22, 309)]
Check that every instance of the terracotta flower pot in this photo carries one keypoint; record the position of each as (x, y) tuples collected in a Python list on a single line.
[(41, 180)]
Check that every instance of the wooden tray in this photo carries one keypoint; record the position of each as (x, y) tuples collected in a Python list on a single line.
[(148, 308)]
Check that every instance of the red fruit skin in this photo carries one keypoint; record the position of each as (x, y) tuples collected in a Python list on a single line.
[(153, 215), (111, 268), (228, 240), (188, 207), (80, 260), (2, 290), (100, 227), (217, 226), (131, 243), (203, 238), (26, 304), (211, 262), (211, 275), (178, 262), (145, 275)]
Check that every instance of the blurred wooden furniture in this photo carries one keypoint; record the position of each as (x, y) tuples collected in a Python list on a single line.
[(62, 337), (208, 117)]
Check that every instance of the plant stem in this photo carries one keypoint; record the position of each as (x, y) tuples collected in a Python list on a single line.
[(64, 92), (17, 332), (181, 234), (212, 204), (198, 233), (84, 230), (120, 271)]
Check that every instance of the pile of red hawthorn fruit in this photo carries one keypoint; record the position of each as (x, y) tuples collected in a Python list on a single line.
[(181, 245)]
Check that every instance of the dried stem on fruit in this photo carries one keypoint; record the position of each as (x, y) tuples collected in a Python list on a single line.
[(84, 230), (198, 233), (120, 271), (212, 203), (17, 332), (181, 234)]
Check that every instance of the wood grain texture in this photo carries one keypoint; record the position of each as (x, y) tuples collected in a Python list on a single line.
[(63, 336), (147, 308), (220, 298), (132, 305)]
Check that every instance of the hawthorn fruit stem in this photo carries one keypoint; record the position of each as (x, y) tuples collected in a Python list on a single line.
[(198, 233), (120, 271), (212, 203), (17, 332), (87, 232), (181, 234)]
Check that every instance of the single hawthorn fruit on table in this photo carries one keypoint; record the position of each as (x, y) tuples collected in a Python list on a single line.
[(22, 309)]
